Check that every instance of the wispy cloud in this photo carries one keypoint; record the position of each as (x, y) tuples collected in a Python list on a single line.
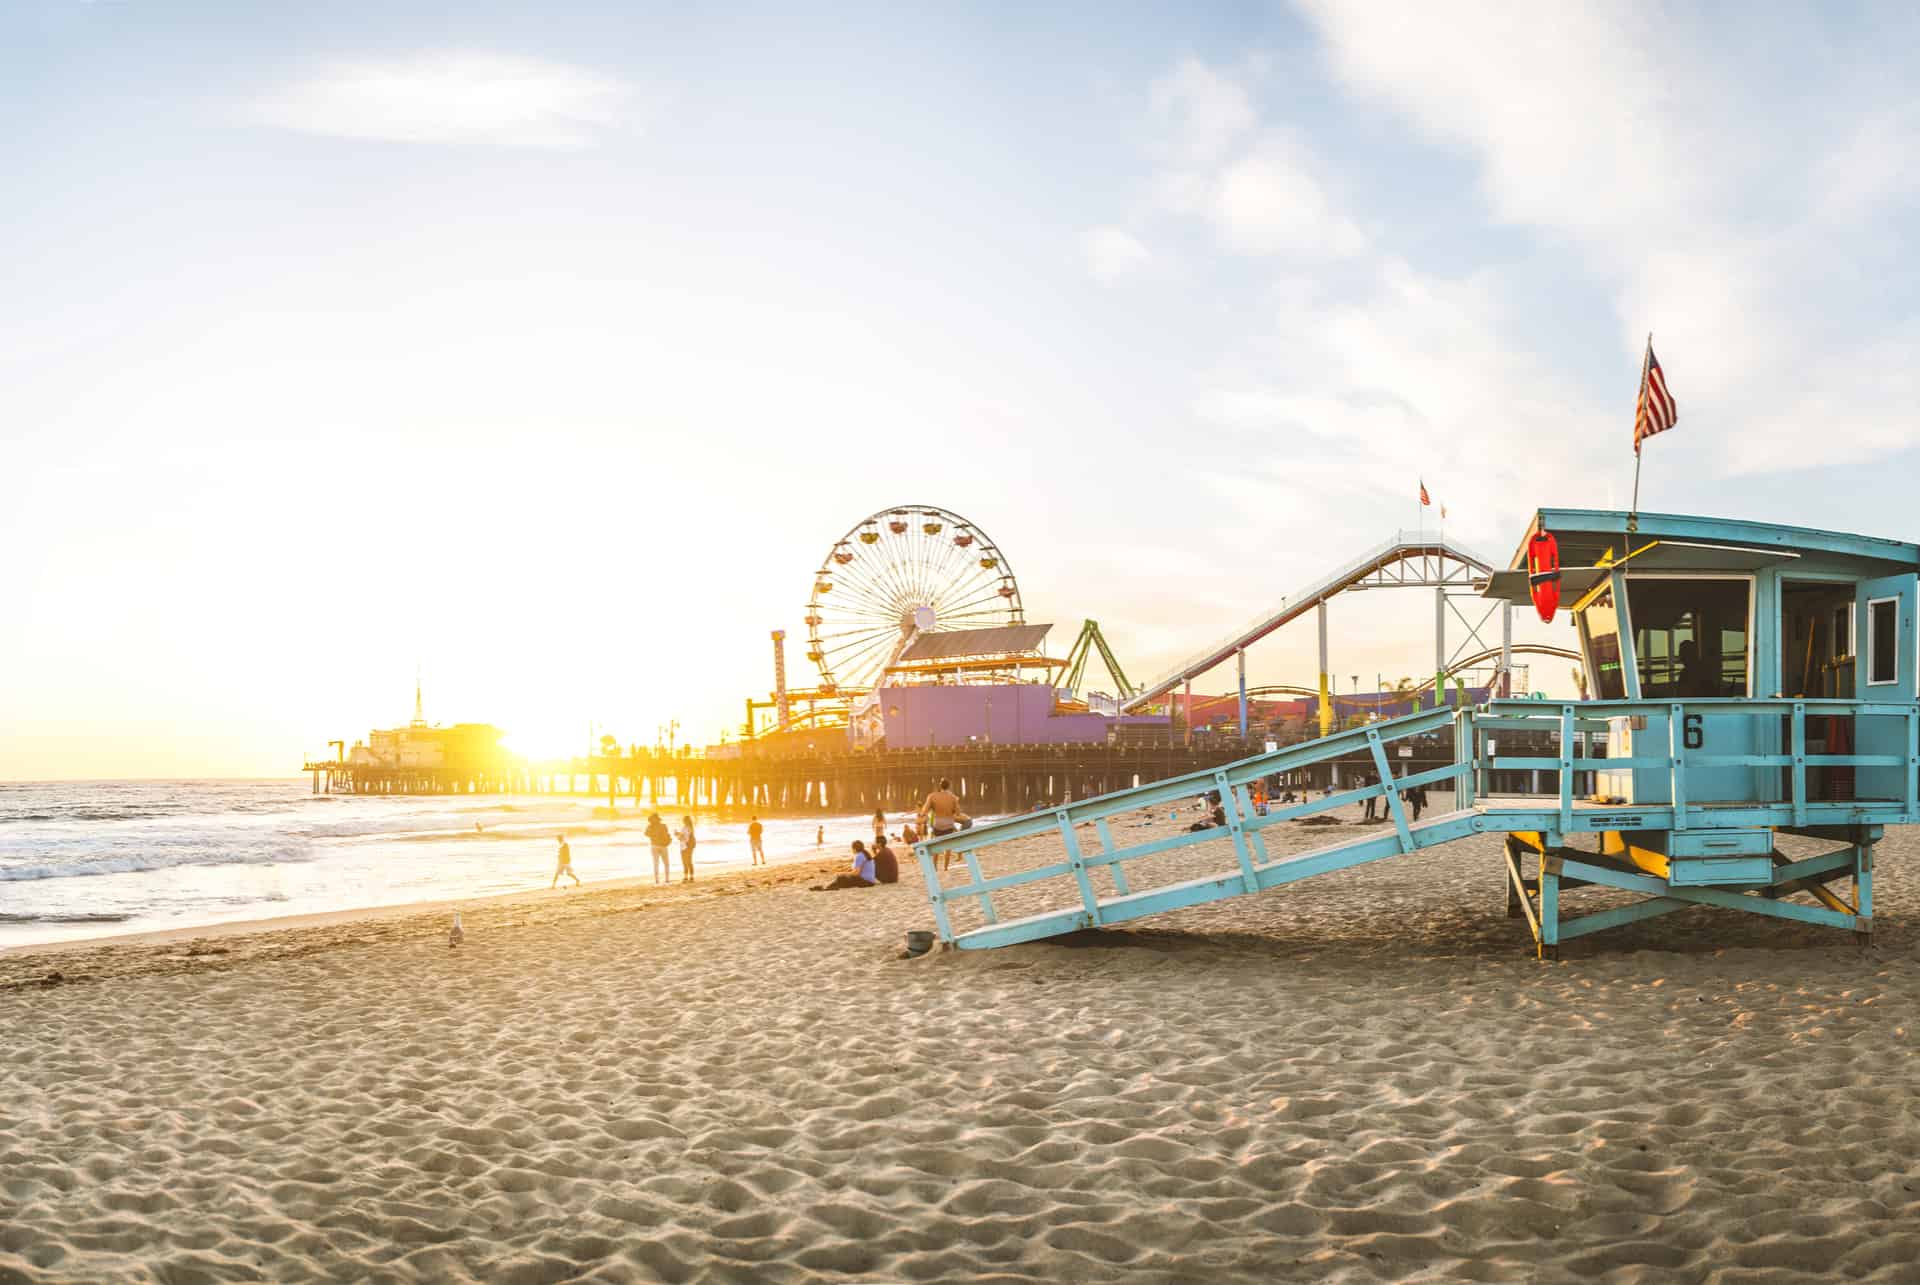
[(451, 97), (1114, 253)]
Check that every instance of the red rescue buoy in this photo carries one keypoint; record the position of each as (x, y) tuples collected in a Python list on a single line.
[(1543, 573)]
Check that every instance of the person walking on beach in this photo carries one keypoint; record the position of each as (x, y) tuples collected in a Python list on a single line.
[(754, 831), (863, 875), (565, 867), (1369, 779), (819, 836), (686, 849), (879, 828), (940, 814), (660, 841)]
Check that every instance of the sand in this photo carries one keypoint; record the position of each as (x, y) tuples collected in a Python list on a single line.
[(1361, 1077)]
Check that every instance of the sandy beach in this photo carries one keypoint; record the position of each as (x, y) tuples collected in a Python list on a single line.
[(1361, 1077)]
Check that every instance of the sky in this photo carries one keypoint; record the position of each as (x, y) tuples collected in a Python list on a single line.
[(550, 348)]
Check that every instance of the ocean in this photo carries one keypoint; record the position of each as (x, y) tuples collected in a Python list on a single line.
[(83, 859)]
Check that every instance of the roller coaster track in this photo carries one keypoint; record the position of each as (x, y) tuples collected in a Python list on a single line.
[(1459, 667), (1408, 560)]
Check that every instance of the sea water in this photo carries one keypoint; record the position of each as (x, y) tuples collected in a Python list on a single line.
[(93, 858)]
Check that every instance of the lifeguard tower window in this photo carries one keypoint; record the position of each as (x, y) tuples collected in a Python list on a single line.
[(1600, 643), (1817, 639), (1883, 642), (1689, 636)]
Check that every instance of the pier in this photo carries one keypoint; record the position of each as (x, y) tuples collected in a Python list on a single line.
[(988, 779)]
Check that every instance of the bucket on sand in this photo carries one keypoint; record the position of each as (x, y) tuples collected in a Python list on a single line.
[(919, 942)]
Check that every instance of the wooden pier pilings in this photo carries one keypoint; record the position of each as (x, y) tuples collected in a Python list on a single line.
[(990, 780)]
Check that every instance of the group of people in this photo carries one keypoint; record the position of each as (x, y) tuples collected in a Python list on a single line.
[(660, 840), (939, 814), (1413, 799), (869, 868)]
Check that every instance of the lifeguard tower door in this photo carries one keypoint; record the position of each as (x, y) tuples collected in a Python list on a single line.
[(1887, 649)]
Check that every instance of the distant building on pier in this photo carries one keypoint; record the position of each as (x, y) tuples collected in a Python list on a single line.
[(465, 750)]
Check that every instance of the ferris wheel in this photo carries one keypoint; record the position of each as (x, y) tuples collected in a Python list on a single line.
[(909, 570)]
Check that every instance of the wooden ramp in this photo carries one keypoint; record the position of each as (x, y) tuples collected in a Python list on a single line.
[(1676, 854), (1089, 849)]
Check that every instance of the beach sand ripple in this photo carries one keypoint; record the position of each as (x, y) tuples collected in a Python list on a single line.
[(1365, 1077)]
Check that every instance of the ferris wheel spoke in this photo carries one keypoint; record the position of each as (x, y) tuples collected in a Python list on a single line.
[(848, 627), (883, 576), (904, 564), (866, 602), (853, 641), (978, 600), (866, 584), (860, 666)]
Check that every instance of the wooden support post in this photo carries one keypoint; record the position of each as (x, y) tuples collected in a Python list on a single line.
[(1113, 867), (1863, 889), (1088, 900), (1677, 756), (1549, 907), (1799, 768)]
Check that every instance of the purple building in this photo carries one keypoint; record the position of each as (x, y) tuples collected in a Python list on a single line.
[(998, 714)]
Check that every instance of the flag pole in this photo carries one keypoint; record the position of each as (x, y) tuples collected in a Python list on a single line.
[(1639, 408)]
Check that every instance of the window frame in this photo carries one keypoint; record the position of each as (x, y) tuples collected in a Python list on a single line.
[(1873, 650), (1623, 636), (1846, 613), (1753, 606)]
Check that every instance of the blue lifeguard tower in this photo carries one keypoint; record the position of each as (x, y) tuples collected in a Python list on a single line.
[(1746, 681)]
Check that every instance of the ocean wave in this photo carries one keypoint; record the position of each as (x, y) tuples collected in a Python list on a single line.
[(93, 866), (78, 917)]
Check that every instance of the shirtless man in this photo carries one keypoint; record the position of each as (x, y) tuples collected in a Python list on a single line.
[(940, 814)]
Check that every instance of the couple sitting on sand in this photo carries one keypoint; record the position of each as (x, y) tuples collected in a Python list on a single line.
[(869, 868)]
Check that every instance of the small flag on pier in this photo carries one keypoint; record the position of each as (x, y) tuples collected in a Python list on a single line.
[(1655, 412), (1423, 494)]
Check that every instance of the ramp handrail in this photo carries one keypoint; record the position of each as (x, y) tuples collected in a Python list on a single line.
[(1684, 749), (1232, 782)]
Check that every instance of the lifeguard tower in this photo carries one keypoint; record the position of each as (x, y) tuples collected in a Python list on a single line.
[(1747, 681)]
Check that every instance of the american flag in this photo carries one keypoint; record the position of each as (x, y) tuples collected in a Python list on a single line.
[(1655, 413), (1423, 494)]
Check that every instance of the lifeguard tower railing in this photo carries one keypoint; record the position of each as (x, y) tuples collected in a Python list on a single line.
[(1100, 880)]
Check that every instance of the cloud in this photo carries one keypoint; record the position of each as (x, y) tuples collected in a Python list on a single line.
[(459, 98), (1748, 199), (1207, 110), (1113, 254), (1269, 202)]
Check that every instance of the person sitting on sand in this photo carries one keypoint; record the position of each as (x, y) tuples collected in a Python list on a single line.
[(754, 831), (686, 848), (565, 867), (1217, 817), (909, 835), (862, 876), (886, 866), (660, 841)]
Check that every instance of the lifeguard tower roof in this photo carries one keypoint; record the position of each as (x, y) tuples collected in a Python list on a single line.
[(1592, 540)]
